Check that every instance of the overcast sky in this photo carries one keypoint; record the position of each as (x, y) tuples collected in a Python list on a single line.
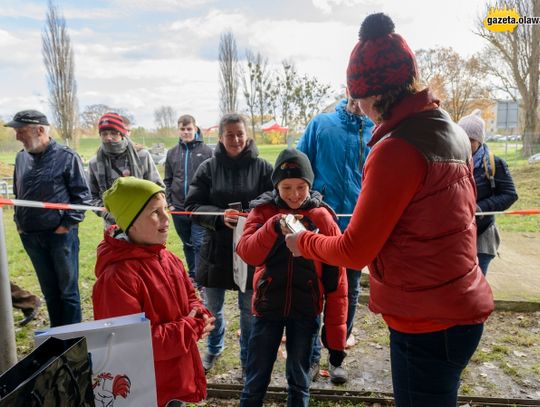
[(142, 54)]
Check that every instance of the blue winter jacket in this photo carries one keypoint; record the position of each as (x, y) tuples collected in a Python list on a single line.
[(336, 144), (56, 175)]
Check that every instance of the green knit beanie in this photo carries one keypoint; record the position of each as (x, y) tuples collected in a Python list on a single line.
[(127, 197)]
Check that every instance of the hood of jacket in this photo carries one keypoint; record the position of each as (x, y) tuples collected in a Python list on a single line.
[(248, 154), (113, 248), (350, 119), (315, 200)]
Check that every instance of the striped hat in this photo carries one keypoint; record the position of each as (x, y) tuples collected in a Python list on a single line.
[(381, 60), (112, 121)]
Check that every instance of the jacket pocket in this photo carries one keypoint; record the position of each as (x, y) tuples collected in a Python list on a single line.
[(261, 301)]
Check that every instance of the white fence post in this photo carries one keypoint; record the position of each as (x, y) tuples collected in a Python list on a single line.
[(8, 348)]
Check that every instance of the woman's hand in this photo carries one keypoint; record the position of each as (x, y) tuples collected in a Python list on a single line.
[(230, 218), (291, 239)]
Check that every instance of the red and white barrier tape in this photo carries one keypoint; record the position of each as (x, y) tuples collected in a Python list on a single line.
[(64, 206)]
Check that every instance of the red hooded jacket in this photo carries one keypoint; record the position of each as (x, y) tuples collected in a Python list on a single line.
[(414, 224), (134, 278), (286, 286)]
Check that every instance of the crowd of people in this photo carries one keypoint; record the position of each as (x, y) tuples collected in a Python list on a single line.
[(410, 178)]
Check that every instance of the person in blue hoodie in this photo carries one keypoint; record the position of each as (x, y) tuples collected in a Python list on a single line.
[(180, 165), (336, 145)]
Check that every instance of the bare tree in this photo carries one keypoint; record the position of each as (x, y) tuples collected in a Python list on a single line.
[(257, 84), (60, 66), (520, 53), (91, 114), (285, 85), (165, 119), (459, 82), (229, 73), (250, 88), (310, 95)]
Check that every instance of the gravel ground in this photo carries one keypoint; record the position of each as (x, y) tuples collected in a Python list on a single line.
[(506, 363)]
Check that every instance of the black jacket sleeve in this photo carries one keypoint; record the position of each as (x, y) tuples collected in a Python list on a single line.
[(78, 190), (504, 194), (199, 198)]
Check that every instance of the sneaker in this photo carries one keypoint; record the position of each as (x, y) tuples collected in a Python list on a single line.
[(314, 371), (351, 341), (338, 375), (209, 361)]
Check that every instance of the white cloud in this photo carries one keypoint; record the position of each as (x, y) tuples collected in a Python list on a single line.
[(161, 5), (143, 66), (326, 6)]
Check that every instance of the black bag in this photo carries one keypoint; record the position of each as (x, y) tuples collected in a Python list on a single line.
[(57, 373)]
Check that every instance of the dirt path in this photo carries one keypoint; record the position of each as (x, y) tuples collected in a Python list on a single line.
[(515, 274)]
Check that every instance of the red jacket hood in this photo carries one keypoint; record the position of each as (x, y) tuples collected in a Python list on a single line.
[(112, 249)]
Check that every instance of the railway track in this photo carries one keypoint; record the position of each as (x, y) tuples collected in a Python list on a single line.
[(279, 394)]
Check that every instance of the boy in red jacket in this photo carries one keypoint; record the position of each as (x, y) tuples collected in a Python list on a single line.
[(290, 292), (136, 273)]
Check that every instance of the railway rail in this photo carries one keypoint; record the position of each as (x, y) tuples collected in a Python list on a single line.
[(367, 398)]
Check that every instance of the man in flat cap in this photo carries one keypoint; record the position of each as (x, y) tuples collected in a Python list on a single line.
[(50, 172)]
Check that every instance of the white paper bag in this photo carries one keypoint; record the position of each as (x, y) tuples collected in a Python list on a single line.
[(240, 268), (122, 359)]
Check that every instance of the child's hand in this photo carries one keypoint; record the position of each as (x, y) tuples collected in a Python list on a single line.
[(208, 325), (284, 228)]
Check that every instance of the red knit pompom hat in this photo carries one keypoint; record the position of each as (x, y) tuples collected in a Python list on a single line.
[(381, 60), (112, 121)]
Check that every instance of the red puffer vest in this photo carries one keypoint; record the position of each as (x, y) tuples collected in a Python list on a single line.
[(427, 270)]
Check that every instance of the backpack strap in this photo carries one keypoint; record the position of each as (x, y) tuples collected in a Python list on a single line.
[(490, 171)]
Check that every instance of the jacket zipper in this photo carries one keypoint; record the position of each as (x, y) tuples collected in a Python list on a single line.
[(361, 160), (288, 289), (186, 185)]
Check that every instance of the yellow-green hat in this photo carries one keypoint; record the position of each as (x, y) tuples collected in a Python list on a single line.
[(127, 197)]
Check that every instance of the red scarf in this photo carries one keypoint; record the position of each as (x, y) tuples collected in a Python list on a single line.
[(406, 107)]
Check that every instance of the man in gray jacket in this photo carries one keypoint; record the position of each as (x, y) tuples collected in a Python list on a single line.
[(117, 157)]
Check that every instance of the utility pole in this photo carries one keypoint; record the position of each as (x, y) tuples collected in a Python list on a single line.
[(8, 349)]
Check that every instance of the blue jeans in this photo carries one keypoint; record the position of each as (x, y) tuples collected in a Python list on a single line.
[(353, 282), (483, 261), (426, 368), (56, 260), (263, 347), (214, 299), (191, 235)]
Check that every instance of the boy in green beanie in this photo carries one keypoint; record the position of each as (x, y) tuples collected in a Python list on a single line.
[(136, 273)]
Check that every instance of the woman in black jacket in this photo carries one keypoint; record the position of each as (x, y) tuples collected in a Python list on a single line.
[(495, 190), (234, 175)]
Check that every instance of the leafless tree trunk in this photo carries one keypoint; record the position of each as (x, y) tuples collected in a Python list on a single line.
[(229, 73), (165, 118), (250, 89), (60, 66), (520, 52)]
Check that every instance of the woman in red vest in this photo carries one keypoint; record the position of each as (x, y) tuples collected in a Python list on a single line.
[(414, 223)]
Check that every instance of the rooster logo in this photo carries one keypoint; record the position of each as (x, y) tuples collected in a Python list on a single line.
[(107, 388)]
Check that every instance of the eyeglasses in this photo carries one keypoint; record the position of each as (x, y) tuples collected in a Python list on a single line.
[(113, 134)]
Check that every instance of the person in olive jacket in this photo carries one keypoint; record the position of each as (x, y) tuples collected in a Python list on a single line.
[(234, 175), (180, 165)]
